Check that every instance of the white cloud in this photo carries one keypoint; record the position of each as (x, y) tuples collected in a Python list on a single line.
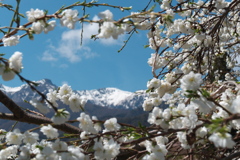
[(63, 66), (48, 56), (111, 41), (70, 47)]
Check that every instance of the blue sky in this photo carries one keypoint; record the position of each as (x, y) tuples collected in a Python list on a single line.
[(96, 64)]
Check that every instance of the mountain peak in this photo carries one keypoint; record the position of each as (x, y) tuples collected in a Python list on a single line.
[(43, 81), (105, 97), (113, 97)]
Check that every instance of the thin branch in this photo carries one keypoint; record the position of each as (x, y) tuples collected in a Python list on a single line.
[(22, 116)]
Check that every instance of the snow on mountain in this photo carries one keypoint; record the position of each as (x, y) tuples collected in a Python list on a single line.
[(112, 97), (106, 97), (24, 92)]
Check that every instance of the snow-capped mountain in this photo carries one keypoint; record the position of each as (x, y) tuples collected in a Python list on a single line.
[(112, 97), (105, 97), (24, 92)]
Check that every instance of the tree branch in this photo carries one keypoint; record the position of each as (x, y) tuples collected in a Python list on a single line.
[(22, 116)]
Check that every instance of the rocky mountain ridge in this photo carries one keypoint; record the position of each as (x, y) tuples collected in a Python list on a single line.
[(105, 97)]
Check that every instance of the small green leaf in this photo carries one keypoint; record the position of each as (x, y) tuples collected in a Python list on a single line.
[(149, 90), (205, 93), (39, 147), (45, 12), (25, 101), (69, 135), (30, 36), (191, 94), (152, 8), (93, 36), (146, 46)]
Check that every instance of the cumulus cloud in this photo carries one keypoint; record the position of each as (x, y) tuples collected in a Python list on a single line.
[(70, 48), (48, 56)]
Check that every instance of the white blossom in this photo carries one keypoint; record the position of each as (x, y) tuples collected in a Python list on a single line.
[(86, 123), (25, 153), (223, 140), (156, 117), (65, 92), (75, 103), (153, 83), (37, 27), (15, 61), (204, 105), (39, 106), (60, 145), (30, 137), (75, 153), (97, 126), (7, 153), (111, 148), (32, 15), (8, 74), (40, 26), (191, 81), (52, 97), (14, 137), (11, 41), (61, 116), (201, 132), (111, 125), (148, 105), (49, 131), (106, 15), (69, 18), (182, 137), (109, 29), (165, 87), (98, 149), (49, 26), (235, 105)]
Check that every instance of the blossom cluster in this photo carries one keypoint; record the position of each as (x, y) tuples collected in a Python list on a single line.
[(9, 69), (65, 95), (194, 73)]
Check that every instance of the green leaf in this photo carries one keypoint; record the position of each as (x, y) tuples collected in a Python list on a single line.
[(205, 93), (25, 101), (192, 3), (30, 36), (69, 135), (93, 36), (191, 94), (39, 147), (146, 46), (158, 1), (198, 30), (137, 136), (152, 8), (149, 90), (45, 12)]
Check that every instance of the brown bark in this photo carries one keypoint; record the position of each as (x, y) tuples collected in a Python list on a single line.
[(22, 116)]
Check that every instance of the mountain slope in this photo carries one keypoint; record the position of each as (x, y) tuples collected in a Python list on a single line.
[(103, 103), (106, 97)]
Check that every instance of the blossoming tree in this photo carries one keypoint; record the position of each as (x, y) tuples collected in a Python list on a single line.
[(194, 62)]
